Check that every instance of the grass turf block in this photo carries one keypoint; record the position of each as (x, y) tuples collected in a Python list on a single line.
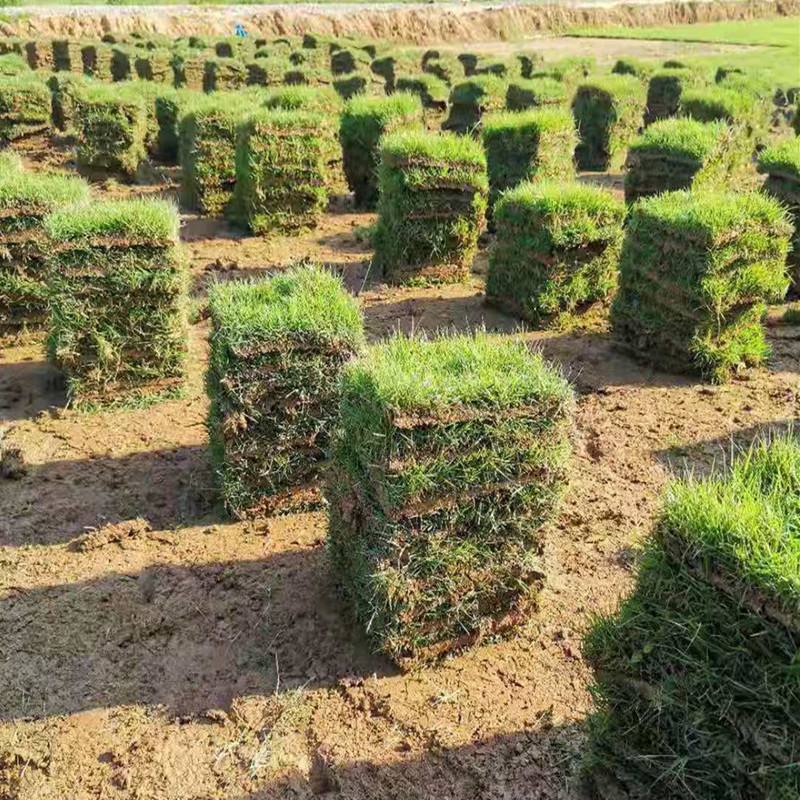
[(25, 107), (471, 99)]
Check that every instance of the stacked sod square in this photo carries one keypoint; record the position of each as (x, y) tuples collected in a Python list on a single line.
[(528, 145), (282, 164), (363, 122), (781, 164), (25, 107), (432, 92), (447, 458), (223, 74), (608, 112), (154, 65), (535, 92), (444, 66), (633, 66), (432, 206), (394, 64), (664, 91), (25, 199), (168, 104), (684, 154), (96, 59), (471, 99), (696, 272), (557, 249), (67, 56), (110, 128), (744, 111), (207, 149), (117, 322), (277, 349), (64, 86), (696, 674)]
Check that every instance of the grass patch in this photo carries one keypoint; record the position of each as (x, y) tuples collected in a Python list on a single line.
[(277, 348), (433, 192), (696, 272), (557, 249), (117, 325), (447, 457)]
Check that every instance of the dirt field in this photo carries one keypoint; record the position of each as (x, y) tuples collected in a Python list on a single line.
[(151, 648)]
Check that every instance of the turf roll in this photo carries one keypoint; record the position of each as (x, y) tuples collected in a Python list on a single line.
[(25, 107), (433, 193), (363, 122), (278, 346), (117, 323), (447, 457), (556, 250), (695, 675), (696, 271)]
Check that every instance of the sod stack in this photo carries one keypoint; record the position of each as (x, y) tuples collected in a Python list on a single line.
[(363, 122), (696, 272), (557, 249), (633, 66), (471, 99), (223, 74), (122, 63), (523, 94), (67, 56), (117, 323), (188, 69), (277, 348), (25, 107), (696, 674), (432, 206), (207, 149), (394, 64), (282, 163), (316, 99), (664, 92), (39, 54), (781, 164), (528, 145), (268, 71), (25, 199), (110, 128), (444, 66), (168, 106), (676, 154), (64, 87), (744, 111), (154, 65), (432, 92), (608, 112), (355, 83), (447, 458), (96, 59)]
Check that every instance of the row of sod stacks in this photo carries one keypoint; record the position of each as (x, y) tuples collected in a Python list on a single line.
[(676, 154), (117, 324), (363, 122), (471, 99), (781, 164), (110, 128), (696, 674), (535, 92), (282, 164), (25, 199), (696, 272), (664, 91), (277, 349), (608, 112), (528, 145), (447, 458), (25, 107), (432, 206), (207, 149), (557, 249)]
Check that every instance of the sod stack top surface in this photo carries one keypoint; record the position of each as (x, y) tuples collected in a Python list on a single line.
[(117, 326), (696, 271), (277, 347), (433, 194), (25, 199), (696, 674), (447, 457), (557, 248)]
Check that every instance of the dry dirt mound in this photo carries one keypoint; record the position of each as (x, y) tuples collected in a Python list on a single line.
[(416, 23)]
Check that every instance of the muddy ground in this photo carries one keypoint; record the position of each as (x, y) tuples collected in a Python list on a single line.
[(151, 648)]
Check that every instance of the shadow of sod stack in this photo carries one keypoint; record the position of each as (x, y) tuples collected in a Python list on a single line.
[(696, 674), (696, 272), (781, 164), (432, 206), (282, 162), (25, 107), (25, 199), (277, 348), (608, 113), (677, 154), (447, 458), (557, 249), (363, 122), (118, 290)]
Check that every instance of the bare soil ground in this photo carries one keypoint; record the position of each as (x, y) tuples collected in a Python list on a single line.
[(151, 649)]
